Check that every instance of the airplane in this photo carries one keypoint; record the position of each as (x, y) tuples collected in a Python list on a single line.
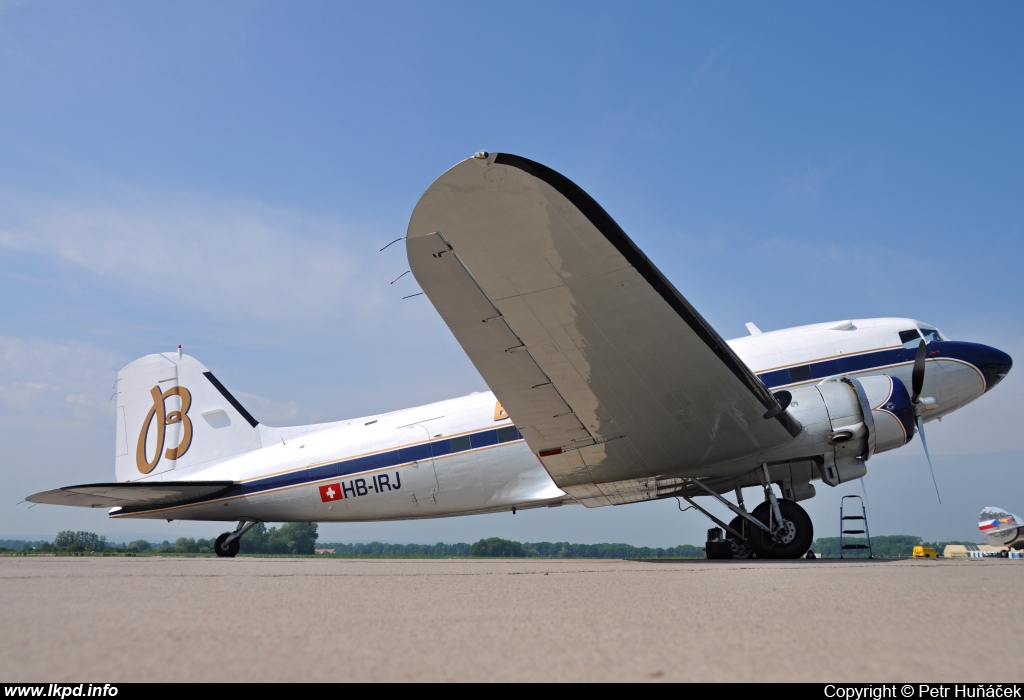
[(1001, 529), (606, 387)]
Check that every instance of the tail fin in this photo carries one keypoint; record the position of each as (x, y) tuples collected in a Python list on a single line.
[(999, 527), (173, 414)]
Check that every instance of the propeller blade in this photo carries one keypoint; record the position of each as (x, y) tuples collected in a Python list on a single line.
[(917, 378), (865, 490), (920, 431)]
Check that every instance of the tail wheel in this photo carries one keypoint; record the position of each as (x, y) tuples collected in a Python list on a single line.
[(797, 532), (223, 548)]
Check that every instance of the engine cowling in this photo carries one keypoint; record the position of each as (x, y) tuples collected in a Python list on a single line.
[(848, 419), (891, 411)]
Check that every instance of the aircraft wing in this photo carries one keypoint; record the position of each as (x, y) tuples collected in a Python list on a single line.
[(612, 377), (130, 494)]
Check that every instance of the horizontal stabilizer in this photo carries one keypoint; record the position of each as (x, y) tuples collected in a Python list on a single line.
[(130, 494)]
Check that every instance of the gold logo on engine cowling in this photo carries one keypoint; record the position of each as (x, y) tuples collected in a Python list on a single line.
[(499, 412), (163, 419)]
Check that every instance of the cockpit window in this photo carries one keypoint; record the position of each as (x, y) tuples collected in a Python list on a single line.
[(910, 339), (931, 334)]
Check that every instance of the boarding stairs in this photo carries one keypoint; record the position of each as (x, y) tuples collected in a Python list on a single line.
[(856, 525)]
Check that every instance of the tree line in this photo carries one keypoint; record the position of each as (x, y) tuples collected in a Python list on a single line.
[(882, 546), (290, 538), (496, 547), (300, 538)]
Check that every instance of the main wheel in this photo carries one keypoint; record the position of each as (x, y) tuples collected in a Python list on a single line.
[(224, 548), (797, 532)]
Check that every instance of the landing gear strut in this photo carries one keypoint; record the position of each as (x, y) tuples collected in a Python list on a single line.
[(776, 529), (789, 529), (227, 544)]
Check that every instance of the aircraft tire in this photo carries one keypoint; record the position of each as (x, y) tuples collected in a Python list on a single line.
[(226, 551), (797, 540)]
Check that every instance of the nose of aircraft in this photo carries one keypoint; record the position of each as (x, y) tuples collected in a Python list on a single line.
[(994, 364)]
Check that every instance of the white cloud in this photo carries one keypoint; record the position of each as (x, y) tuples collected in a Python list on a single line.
[(829, 256), (44, 384), (45, 378), (808, 185), (268, 411), (237, 260), (711, 68)]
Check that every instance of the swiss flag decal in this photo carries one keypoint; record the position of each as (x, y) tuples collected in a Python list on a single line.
[(331, 492)]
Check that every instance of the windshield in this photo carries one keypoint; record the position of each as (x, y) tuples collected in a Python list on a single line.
[(911, 337)]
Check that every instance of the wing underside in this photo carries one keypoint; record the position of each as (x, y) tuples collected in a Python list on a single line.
[(127, 495), (613, 378)]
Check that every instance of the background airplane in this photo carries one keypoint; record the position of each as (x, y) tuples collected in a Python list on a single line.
[(607, 388), (1001, 529)]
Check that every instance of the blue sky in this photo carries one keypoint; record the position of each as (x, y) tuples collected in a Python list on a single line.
[(222, 175)]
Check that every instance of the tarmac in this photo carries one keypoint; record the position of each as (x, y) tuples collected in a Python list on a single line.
[(145, 619)]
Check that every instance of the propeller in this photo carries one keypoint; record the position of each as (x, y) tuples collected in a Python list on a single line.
[(916, 385)]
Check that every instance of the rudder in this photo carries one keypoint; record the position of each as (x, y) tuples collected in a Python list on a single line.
[(173, 414)]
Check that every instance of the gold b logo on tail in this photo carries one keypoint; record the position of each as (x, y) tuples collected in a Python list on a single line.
[(163, 419)]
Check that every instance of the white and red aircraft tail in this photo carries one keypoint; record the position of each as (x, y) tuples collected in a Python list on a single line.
[(1000, 528)]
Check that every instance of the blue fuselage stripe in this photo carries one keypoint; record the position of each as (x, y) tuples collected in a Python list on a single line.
[(487, 438), (840, 365), (372, 462)]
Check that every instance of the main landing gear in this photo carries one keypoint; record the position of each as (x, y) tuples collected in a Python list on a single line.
[(776, 529), (790, 535), (228, 543)]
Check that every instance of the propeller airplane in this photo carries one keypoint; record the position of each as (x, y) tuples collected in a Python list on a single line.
[(606, 388)]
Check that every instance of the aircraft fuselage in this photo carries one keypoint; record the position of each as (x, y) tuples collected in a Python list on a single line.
[(464, 456)]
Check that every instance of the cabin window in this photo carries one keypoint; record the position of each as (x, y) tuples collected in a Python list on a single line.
[(800, 374), (910, 339), (508, 433), (459, 444)]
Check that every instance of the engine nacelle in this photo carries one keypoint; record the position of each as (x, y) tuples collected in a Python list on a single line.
[(847, 420), (891, 411)]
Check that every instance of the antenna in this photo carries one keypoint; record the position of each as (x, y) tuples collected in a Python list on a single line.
[(179, 351)]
